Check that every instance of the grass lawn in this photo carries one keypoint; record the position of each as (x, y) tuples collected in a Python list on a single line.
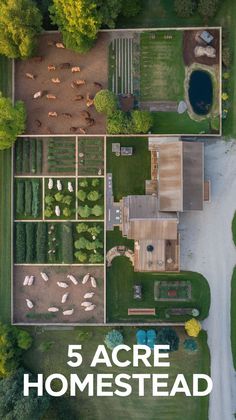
[(173, 123), (234, 228), (120, 281), (233, 316), (82, 407), (162, 66), (129, 172)]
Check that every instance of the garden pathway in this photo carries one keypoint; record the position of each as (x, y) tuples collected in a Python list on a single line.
[(207, 248)]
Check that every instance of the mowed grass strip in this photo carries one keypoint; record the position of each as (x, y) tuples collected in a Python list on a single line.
[(162, 66), (174, 123), (129, 173), (83, 407), (233, 316)]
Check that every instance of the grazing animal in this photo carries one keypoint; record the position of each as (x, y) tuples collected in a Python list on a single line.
[(98, 85), (52, 114), (86, 278), (53, 309), (75, 85), (38, 123), (57, 211), (50, 184), (68, 312), (64, 297), (78, 98), (86, 304), (63, 66), (70, 187), (51, 67), (75, 69), (38, 94), (90, 308), (50, 96), (72, 278), (85, 114), (26, 280), (93, 282), (60, 45), (29, 303), (62, 284), (30, 76), (44, 276), (80, 82), (73, 129), (31, 280), (55, 80), (89, 100), (89, 295), (66, 115), (82, 130), (90, 121)]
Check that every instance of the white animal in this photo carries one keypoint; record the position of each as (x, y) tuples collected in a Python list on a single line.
[(26, 280), (64, 297), (29, 303), (53, 309), (57, 211), (85, 279), (68, 312), (59, 185), (44, 276), (93, 282), (72, 278), (90, 308), (31, 281), (88, 295), (85, 304), (50, 184), (70, 187), (62, 284)]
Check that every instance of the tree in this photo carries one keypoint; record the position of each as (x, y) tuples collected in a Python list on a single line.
[(84, 211), (20, 25), (97, 210), (168, 336), (93, 195), (185, 8), (13, 405), (119, 123), (96, 258), (81, 194), (113, 339), (193, 327), (105, 101), (190, 345), (82, 227), (142, 121), (131, 8), (208, 8), (12, 121), (81, 256)]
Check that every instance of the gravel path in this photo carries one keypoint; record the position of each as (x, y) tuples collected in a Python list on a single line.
[(207, 247)]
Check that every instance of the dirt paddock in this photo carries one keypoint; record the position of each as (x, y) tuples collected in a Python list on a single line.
[(94, 68), (47, 294)]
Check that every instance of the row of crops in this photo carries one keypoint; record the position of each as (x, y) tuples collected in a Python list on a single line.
[(61, 155), (28, 156), (91, 156), (63, 243), (90, 196), (28, 198)]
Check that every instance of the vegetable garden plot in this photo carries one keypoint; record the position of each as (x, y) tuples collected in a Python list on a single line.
[(28, 196), (89, 243), (91, 156), (59, 198), (60, 155), (90, 197), (28, 156)]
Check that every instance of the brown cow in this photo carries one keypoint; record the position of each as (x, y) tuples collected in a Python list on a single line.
[(60, 45), (38, 123), (85, 114), (75, 69), (51, 67), (66, 115), (55, 80), (82, 130), (80, 82), (90, 101), (90, 121), (78, 98), (30, 76), (64, 66), (52, 114), (73, 129), (98, 85)]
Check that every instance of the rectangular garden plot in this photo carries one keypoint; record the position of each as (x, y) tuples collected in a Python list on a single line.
[(90, 156), (28, 198), (59, 200), (60, 156), (90, 197), (28, 156), (174, 290)]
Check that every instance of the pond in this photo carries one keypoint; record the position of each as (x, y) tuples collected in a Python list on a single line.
[(200, 92)]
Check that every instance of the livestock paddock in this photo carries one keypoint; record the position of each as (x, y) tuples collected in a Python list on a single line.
[(68, 116), (48, 294)]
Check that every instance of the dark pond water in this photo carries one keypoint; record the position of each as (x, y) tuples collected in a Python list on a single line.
[(200, 92)]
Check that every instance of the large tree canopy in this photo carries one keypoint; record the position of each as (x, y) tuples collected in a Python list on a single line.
[(12, 121), (20, 24)]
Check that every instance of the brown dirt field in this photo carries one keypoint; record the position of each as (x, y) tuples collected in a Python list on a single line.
[(190, 43), (46, 294), (94, 68)]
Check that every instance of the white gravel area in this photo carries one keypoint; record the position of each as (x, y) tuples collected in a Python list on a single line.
[(207, 247)]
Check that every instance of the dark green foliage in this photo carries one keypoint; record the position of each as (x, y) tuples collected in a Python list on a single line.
[(105, 102), (24, 340), (168, 336), (19, 156), (20, 195), (190, 345), (12, 119), (13, 405), (41, 243), (185, 8), (30, 242), (28, 198), (35, 198), (119, 123), (208, 8), (67, 243), (33, 156), (20, 240), (142, 121), (131, 8), (39, 153), (26, 156), (113, 338)]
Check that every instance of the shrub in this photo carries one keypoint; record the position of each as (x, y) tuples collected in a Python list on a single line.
[(131, 8), (93, 195), (190, 345), (49, 200), (81, 195), (20, 196), (66, 212), (193, 327), (81, 243), (185, 8), (84, 211), (142, 121), (97, 210), (82, 227), (119, 123), (208, 8), (20, 242), (168, 336), (48, 212), (12, 119), (59, 197), (41, 243), (67, 199), (24, 340), (95, 230), (67, 243), (83, 183), (96, 258), (113, 339), (81, 256), (105, 102), (28, 198), (95, 182), (35, 198), (30, 242)]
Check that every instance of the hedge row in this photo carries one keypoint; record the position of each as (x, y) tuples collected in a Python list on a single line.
[(20, 241), (28, 198), (20, 194), (28, 156), (31, 243), (41, 242), (67, 243)]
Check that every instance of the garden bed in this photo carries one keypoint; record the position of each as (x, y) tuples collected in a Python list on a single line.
[(60, 200), (90, 197), (90, 156), (28, 198)]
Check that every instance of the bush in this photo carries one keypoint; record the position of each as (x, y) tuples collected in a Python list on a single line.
[(67, 243), (81, 243), (49, 200), (59, 197), (185, 8), (67, 199), (208, 8), (30, 242), (105, 102), (81, 256), (193, 327), (20, 197), (35, 198), (20, 242), (95, 230), (93, 195), (142, 121), (119, 123), (168, 336), (66, 212), (113, 339), (83, 183), (81, 195), (24, 340), (95, 182), (41, 243), (84, 211), (131, 8), (28, 198), (82, 227), (97, 210), (96, 258), (48, 212), (12, 120), (190, 345)]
